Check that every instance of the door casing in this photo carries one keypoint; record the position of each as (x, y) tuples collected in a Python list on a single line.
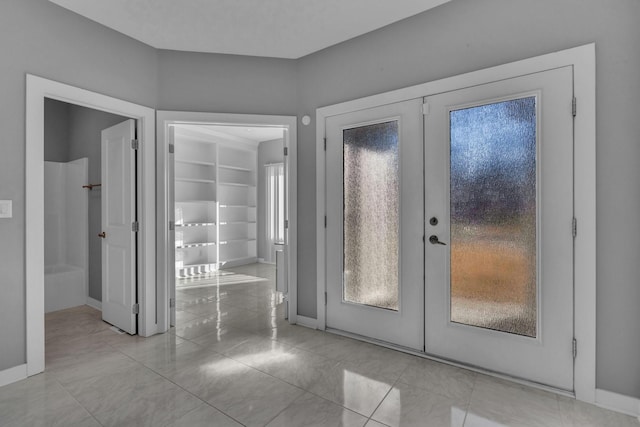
[(582, 59), (164, 196)]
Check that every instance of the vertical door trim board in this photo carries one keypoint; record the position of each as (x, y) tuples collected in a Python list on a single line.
[(166, 118), (38, 89), (582, 59)]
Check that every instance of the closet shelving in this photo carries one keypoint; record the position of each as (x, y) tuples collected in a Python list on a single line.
[(215, 201)]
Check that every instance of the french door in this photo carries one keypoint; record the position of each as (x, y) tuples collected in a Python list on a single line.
[(449, 225), (374, 223), (499, 197)]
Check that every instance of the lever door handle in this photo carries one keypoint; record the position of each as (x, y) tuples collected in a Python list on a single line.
[(433, 239), (102, 235)]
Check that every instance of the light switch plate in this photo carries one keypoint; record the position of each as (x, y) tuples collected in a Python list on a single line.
[(6, 209)]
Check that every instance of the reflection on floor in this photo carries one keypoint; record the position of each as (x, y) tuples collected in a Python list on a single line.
[(233, 361)]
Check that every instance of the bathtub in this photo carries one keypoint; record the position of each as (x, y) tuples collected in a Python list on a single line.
[(64, 287)]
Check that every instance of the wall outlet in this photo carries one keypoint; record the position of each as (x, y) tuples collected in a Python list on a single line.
[(6, 209)]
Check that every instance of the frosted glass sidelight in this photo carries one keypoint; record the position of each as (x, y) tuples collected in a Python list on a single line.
[(371, 215), (493, 216)]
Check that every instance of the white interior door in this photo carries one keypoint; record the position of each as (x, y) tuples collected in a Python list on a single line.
[(118, 236), (499, 205), (375, 223)]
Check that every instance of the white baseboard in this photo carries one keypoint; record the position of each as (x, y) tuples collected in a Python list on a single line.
[(307, 322), (12, 375), (618, 402), (262, 261), (94, 303)]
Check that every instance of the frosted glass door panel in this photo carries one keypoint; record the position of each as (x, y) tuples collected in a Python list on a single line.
[(375, 219), (371, 209), (493, 216)]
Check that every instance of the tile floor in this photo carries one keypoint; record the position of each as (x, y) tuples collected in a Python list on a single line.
[(233, 361)]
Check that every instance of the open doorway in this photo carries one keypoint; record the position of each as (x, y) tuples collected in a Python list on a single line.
[(218, 261), (72, 204), (142, 199)]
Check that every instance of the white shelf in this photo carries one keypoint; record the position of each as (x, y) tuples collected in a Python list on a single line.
[(195, 201), (235, 184), (195, 245), (215, 186), (236, 168), (228, 241), (195, 162), (196, 180), (236, 222)]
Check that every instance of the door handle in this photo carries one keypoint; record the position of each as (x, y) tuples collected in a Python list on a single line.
[(104, 235), (433, 239)]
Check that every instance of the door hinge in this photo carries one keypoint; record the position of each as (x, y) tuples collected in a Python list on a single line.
[(325, 144), (286, 151), (172, 225), (325, 221), (172, 302), (574, 227), (172, 148), (574, 106), (286, 223), (135, 309), (425, 109), (135, 144), (325, 298), (575, 348), (135, 227)]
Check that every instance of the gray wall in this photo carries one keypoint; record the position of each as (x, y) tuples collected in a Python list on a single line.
[(466, 35), (226, 83), (72, 132), (41, 38), (268, 152), (56, 131)]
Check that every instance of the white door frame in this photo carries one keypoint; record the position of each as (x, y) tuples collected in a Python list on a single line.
[(582, 59), (166, 118), (38, 89)]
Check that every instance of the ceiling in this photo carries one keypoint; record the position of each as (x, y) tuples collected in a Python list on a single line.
[(252, 135), (271, 28)]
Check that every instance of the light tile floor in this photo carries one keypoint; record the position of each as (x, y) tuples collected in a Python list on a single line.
[(232, 360)]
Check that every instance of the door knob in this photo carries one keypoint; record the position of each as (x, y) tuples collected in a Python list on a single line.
[(435, 241), (104, 235)]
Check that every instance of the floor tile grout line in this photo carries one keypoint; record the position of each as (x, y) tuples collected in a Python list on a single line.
[(189, 392), (466, 410), (91, 414), (387, 394), (286, 407), (157, 373)]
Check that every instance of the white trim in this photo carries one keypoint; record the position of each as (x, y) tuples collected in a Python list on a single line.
[(618, 402), (163, 120), (13, 375), (38, 89), (94, 303), (582, 59), (307, 322)]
